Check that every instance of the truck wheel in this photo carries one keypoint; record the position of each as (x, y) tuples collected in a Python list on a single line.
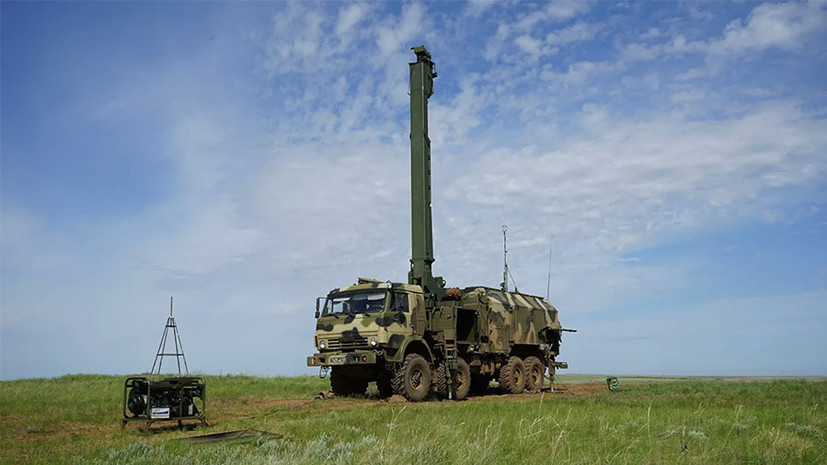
[(441, 381), (512, 376), (462, 380), (413, 379), (535, 369)]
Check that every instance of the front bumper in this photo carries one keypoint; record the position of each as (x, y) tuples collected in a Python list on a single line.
[(359, 357)]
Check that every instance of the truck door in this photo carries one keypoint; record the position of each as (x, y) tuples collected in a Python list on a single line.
[(419, 320)]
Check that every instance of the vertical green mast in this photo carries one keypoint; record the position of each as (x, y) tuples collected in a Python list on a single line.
[(422, 87)]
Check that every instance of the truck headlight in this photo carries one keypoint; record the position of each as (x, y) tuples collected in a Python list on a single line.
[(322, 344), (373, 342)]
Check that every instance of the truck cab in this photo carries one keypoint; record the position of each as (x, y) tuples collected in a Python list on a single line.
[(363, 327)]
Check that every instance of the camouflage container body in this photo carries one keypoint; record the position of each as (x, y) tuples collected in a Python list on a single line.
[(510, 318)]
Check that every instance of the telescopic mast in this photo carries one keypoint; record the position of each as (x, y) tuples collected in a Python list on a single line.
[(423, 73)]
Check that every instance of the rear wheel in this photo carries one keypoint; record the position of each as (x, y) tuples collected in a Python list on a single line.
[(512, 376), (462, 380), (535, 369), (441, 380), (413, 379)]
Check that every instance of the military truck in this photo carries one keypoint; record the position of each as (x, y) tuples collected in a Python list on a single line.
[(421, 338)]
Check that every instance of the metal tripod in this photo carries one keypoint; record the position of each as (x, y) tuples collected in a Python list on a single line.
[(179, 347)]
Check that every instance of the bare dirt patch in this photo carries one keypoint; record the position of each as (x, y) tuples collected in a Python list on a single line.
[(582, 389)]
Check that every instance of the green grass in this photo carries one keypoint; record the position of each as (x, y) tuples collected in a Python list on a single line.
[(77, 419)]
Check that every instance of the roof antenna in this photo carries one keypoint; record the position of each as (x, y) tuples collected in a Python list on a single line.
[(504, 284), (548, 282)]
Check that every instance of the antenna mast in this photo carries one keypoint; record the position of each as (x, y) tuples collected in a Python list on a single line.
[(548, 282), (505, 261), (179, 347), (422, 74)]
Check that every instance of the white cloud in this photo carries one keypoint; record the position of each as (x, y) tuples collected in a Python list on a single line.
[(551, 43), (475, 8), (297, 40), (577, 32), (528, 44), (395, 35), (780, 25), (651, 33), (692, 74), (350, 17), (786, 26), (539, 32), (563, 10), (577, 73), (621, 184), (493, 48), (686, 96)]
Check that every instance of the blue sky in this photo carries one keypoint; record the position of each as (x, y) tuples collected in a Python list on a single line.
[(248, 157)]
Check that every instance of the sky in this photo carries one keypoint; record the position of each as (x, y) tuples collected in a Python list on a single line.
[(246, 158)]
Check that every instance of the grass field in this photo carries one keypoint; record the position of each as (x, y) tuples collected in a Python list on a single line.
[(76, 419)]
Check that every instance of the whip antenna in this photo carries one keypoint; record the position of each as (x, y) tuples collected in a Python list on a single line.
[(505, 261), (548, 281)]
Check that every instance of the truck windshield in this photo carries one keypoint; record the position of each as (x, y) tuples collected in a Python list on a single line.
[(352, 303)]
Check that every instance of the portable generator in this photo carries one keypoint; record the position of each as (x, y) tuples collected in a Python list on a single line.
[(170, 399)]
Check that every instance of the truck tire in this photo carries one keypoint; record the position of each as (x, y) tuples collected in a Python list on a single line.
[(534, 369), (441, 380), (512, 376), (413, 379), (462, 380)]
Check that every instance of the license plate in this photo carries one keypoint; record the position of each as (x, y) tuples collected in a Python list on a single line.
[(337, 360)]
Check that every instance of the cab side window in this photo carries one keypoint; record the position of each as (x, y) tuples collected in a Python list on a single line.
[(400, 302)]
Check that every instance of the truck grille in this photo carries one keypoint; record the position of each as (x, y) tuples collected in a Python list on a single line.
[(356, 343)]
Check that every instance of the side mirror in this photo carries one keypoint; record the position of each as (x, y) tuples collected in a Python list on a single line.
[(317, 307)]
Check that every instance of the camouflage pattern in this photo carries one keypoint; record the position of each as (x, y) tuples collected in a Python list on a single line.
[(393, 330), (499, 322), (509, 318)]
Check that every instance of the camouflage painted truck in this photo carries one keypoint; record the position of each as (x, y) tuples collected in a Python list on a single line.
[(421, 338)]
